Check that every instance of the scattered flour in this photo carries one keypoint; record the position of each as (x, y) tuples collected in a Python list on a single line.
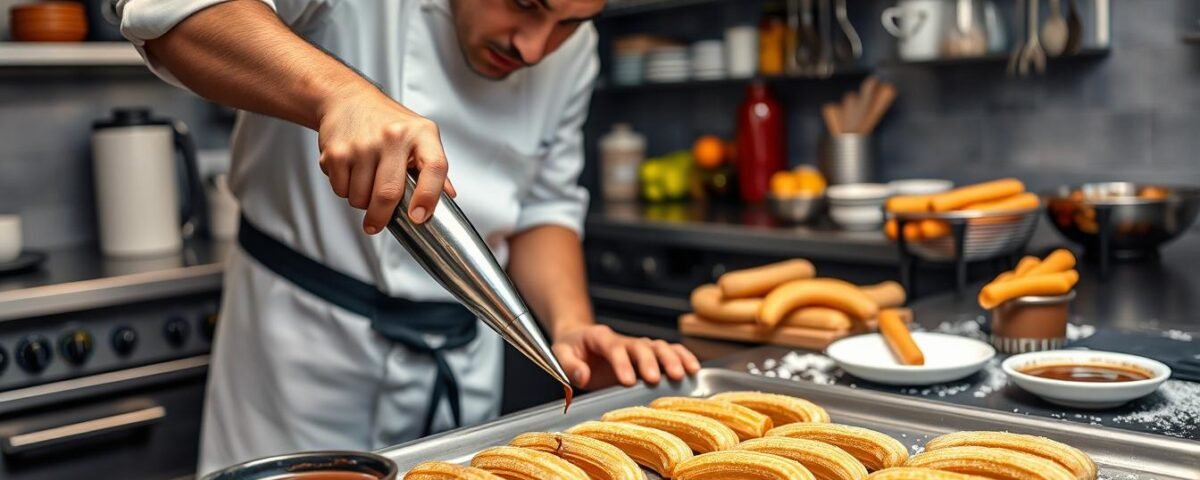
[(1176, 413), (1177, 335)]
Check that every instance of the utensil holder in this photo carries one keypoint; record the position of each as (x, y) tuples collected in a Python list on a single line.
[(846, 158)]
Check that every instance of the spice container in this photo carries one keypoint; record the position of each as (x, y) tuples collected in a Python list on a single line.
[(1031, 324), (621, 152)]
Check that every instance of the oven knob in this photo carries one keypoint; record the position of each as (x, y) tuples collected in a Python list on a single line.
[(3, 359), (208, 325), (124, 339), (76, 346), (176, 331), (33, 353)]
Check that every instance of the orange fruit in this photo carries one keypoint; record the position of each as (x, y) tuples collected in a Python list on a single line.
[(809, 180), (709, 151), (784, 184)]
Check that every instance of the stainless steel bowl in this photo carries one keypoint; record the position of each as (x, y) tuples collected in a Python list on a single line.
[(283, 466), (1141, 217), (796, 209), (988, 234)]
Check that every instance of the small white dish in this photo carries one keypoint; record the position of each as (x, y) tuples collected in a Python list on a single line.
[(947, 358), (857, 217), (858, 193), (1088, 395), (920, 186)]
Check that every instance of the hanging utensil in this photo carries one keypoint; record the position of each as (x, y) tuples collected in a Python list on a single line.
[(1074, 28), (966, 40), (1032, 55), (1018, 44), (848, 47), (808, 41), (1055, 31), (825, 30)]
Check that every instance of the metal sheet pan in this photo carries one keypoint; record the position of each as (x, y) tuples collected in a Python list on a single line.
[(1120, 454)]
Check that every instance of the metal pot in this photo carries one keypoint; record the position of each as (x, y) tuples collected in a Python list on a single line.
[(1137, 218), (282, 466)]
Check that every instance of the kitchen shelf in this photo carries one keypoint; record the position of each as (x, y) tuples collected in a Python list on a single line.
[(631, 7), (608, 87), (997, 58), (82, 54)]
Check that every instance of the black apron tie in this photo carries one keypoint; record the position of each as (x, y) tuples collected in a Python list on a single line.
[(397, 319)]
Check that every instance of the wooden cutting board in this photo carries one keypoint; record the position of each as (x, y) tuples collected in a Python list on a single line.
[(798, 337)]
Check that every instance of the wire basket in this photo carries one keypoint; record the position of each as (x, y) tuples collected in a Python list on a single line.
[(984, 235)]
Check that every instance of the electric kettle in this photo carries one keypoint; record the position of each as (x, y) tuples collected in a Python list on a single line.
[(148, 192)]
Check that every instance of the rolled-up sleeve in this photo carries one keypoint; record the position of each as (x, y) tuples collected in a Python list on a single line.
[(556, 198)]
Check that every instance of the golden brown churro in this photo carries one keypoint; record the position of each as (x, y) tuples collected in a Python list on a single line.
[(701, 433), (745, 422), (914, 473), (995, 463), (447, 471), (1071, 458), (875, 450), (651, 448), (783, 409), (601, 461), (825, 461), (740, 465), (513, 463)]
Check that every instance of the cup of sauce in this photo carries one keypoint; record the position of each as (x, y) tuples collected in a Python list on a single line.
[(1086, 378), (325, 465), (1031, 324)]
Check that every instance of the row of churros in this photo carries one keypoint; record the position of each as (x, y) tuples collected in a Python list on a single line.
[(787, 294), (1004, 195), (1053, 275), (757, 436)]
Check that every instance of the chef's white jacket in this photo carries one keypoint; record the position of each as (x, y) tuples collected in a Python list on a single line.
[(291, 372)]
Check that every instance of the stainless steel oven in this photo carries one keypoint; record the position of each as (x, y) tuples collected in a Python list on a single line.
[(114, 392)]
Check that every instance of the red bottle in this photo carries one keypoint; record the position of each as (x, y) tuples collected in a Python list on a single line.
[(759, 141)]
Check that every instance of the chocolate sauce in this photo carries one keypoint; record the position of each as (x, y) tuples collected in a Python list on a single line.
[(326, 476), (1088, 372), (569, 393)]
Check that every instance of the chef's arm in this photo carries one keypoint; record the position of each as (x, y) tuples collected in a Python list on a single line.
[(546, 263), (240, 53), (547, 266)]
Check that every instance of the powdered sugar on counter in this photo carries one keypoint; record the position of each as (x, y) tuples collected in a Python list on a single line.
[(1177, 335), (1175, 413)]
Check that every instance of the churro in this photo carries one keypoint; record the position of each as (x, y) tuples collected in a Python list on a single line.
[(746, 423), (995, 463), (783, 409), (875, 450), (734, 464), (1071, 458), (600, 460), (701, 433), (915, 473), (514, 463), (447, 471), (825, 461), (652, 448)]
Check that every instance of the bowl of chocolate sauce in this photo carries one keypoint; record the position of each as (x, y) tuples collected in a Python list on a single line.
[(1086, 378), (324, 465)]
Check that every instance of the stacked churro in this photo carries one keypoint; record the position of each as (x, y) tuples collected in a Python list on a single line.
[(1004, 195), (758, 436), (1054, 275)]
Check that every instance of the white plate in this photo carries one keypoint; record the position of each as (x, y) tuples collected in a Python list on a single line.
[(920, 186), (1085, 394), (858, 192), (947, 358)]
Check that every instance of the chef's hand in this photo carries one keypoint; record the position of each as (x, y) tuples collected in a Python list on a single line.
[(368, 142), (595, 357)]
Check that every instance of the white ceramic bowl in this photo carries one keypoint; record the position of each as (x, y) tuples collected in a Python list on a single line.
[(920, 186), (1088, 395), (858, 193), (857, 217), (947, 358)]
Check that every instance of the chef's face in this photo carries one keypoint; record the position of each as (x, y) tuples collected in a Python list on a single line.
[(499, 37)]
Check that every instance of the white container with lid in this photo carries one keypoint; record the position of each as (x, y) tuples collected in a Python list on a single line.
[(621, 153)]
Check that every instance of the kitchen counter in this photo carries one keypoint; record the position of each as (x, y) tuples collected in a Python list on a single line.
[(77, 278)]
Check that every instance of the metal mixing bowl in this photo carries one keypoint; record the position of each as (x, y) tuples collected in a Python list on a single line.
[(796, 209), (1140, 217), (285, 466)]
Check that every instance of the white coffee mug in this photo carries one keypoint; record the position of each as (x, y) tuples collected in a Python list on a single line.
[(10, 237), (919, 25)]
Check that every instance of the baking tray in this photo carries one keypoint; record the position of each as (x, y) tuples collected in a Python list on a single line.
[(1121, 455)]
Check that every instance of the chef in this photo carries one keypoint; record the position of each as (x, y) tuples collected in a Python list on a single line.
[(331, 336)]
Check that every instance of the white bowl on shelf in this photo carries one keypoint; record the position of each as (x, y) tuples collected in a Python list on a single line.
[(920, 186), (947, 358), (1087, 395), (857, 206)]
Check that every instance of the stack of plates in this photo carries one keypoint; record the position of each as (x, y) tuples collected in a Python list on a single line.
[(668, 64), (708, 60), (627, 68)]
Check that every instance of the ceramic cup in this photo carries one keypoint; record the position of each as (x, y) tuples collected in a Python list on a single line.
[(10, 237), (919, 26)]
